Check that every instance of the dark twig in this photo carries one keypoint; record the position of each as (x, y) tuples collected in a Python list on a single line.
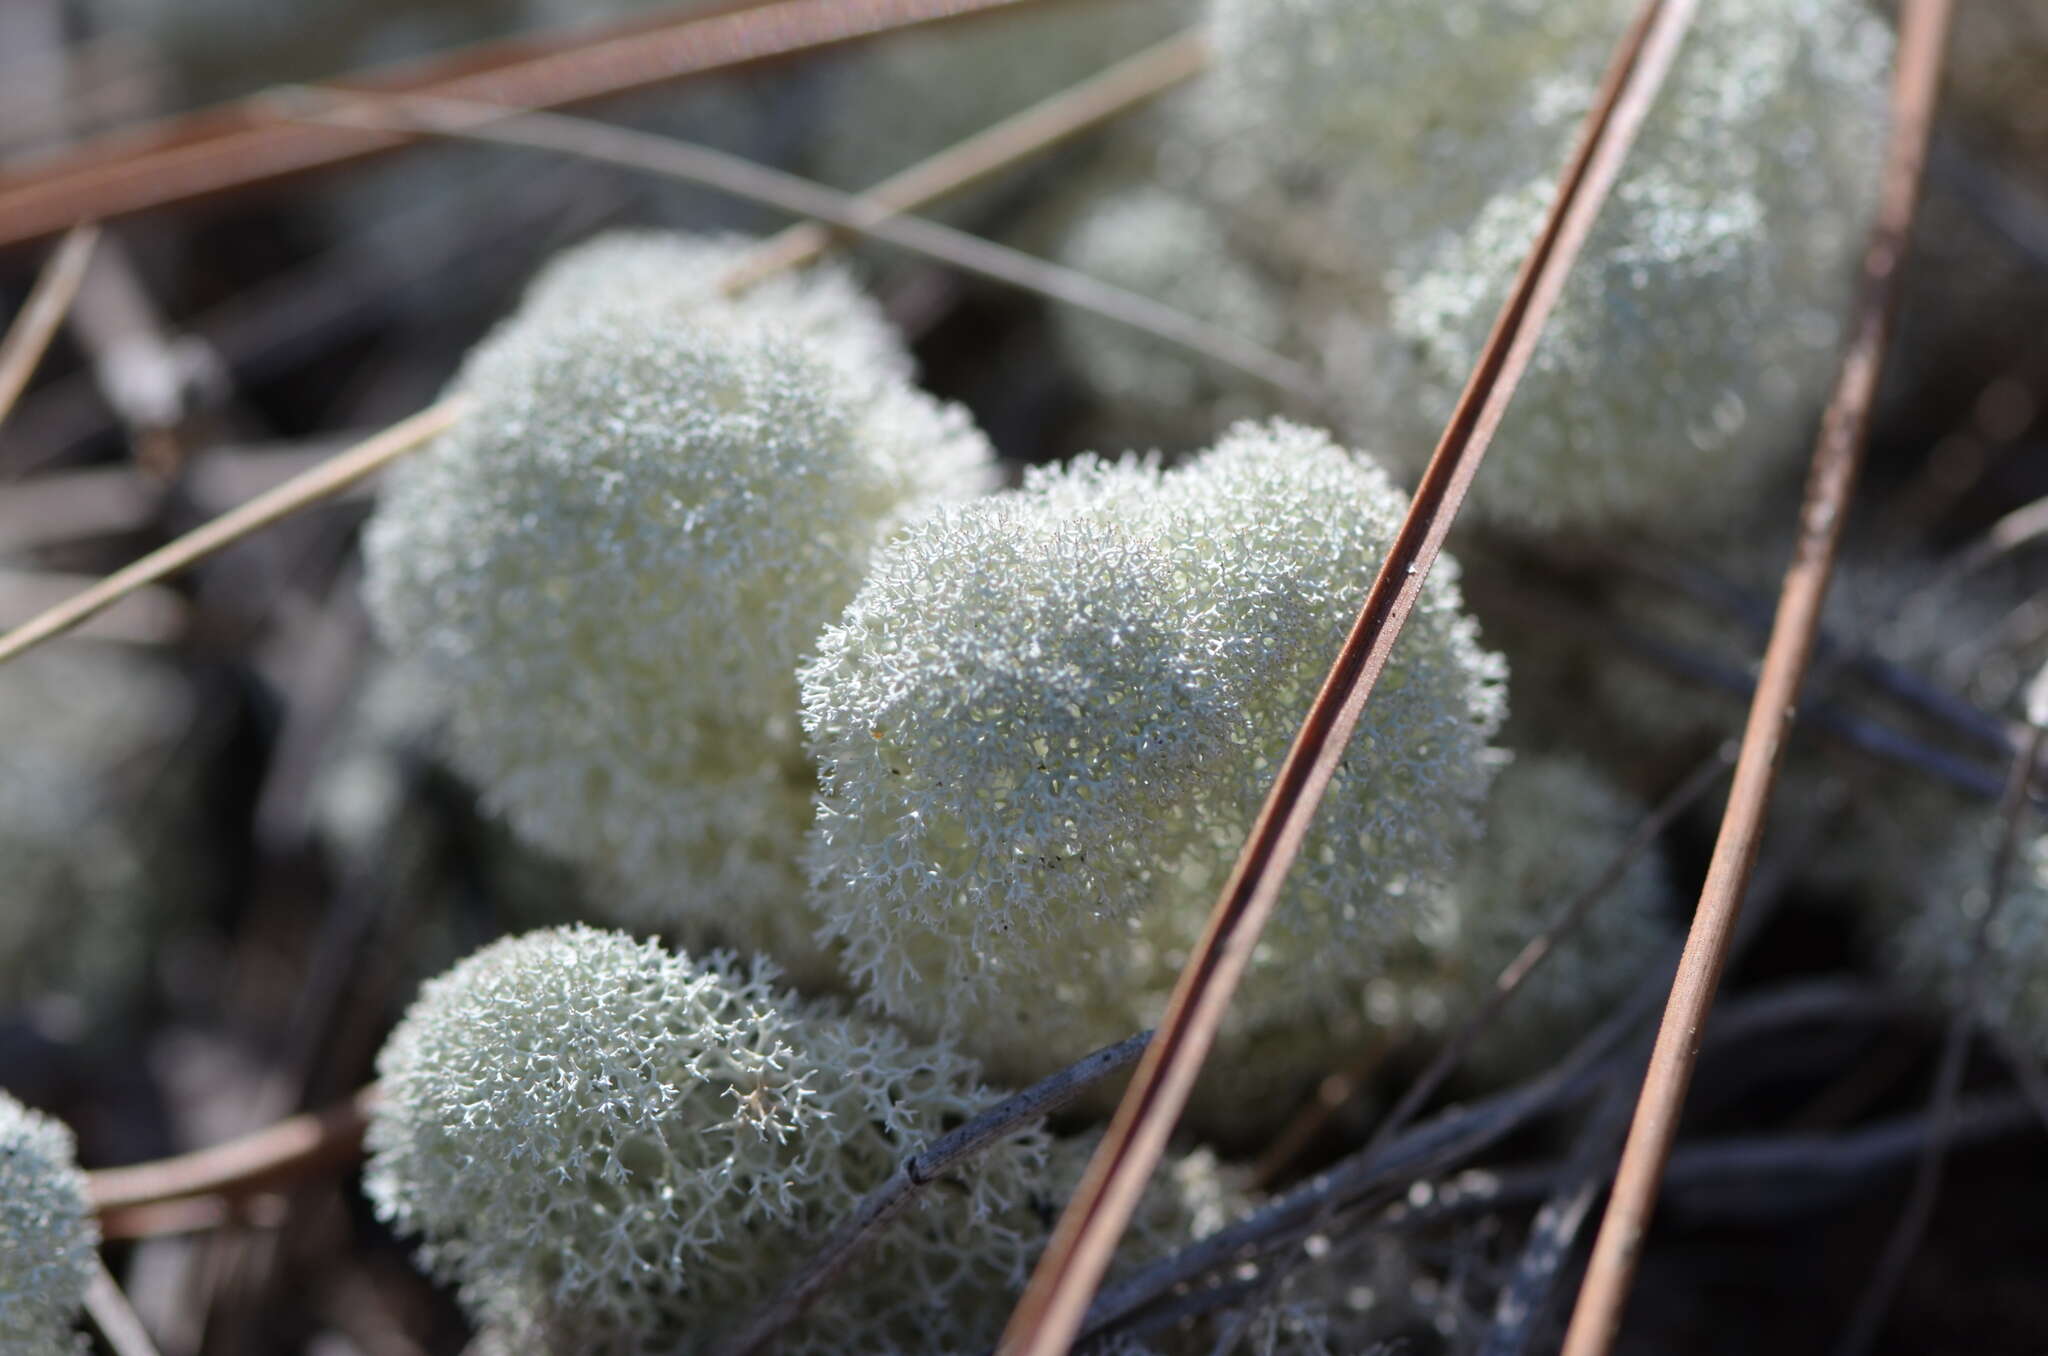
[(1596, 1320), (1948, 1078), (1054, 1305), (1525, 1299), (925, 1166)]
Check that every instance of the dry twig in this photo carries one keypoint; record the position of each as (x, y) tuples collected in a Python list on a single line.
[(115, 1317), (55, 288), (241, 1167), (1053, 1307), (1597, 1317), (328, 479)]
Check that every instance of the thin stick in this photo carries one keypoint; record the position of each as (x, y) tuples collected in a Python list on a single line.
[(114, 1316), (247, 142), (241, 1167), (1072, 111), (1596, 1319), (1050, 1314), (30, 334), (936, 1159), (743, 178), (322, 482), (1948, 1077)]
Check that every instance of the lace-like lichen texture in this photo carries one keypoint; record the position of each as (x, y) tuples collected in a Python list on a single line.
[(612, 1147), (1385, 172), (48, 1241), (614, 564), (1044, 726)]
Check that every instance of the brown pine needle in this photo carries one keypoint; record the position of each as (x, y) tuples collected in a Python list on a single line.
[(30, 334), (300, 492), (1051, 1312), (247, 142), (241, 1167), (1596, 1319)]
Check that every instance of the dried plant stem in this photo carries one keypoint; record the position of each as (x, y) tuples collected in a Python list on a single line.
[(670, 158), (324, 481), (1596, 1319), (247, 142), (1072, 111), (939, 1157), (1050, 1314), (1890, 1271), (30, 334), (115, 1317), (241, 1167)]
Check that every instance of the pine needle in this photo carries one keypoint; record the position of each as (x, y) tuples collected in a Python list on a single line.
[(1051, 1312), (1596, 1320), (56, 287)]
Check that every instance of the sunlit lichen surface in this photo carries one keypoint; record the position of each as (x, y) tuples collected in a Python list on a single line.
[(48, 1241), (1046, 721), (614, 564)]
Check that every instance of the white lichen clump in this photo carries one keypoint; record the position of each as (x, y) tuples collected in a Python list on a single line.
[(1680, 368), (1383, 170), (48, 1241), (602, 1140), (1044, 726), (615, 562)]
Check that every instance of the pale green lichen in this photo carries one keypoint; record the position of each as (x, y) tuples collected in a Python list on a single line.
[(1047, 720), (613, 565), (608, 1145), (48, 1240)]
